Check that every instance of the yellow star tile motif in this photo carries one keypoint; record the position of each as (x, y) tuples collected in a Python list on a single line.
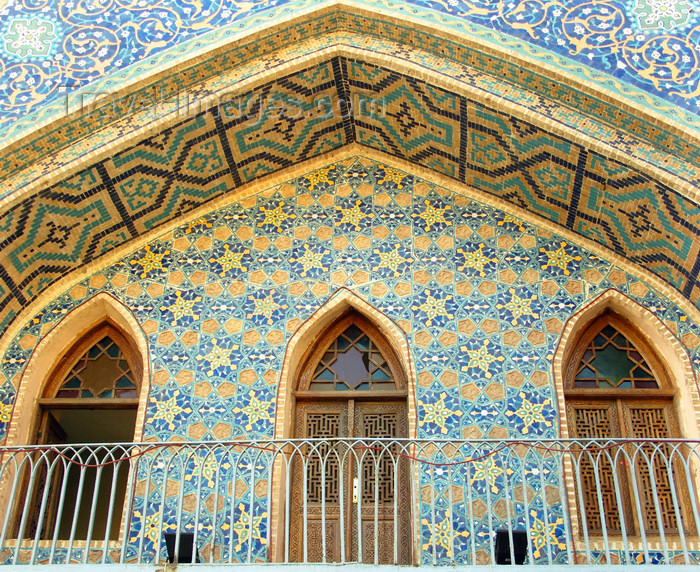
[(516, 221), (391, 260), (310, 259), (169, 409), (218, 357), (5, 412), (487, 470), (518, 307), (433, 215), (541, 532), (265, 306), (275, 217), (243, 527), (150, 261), (434, 307), (392, 176), (151, 527), (437, 413), (476, 259), (182, 308), (530, 412), (442, 533), (206, 468), (230, 260), (198, 222), (320, 176), (559, 258), (481, 358), (256, 410), (352, 215)]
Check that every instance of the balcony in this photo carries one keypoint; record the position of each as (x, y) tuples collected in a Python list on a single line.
[(402, 502)]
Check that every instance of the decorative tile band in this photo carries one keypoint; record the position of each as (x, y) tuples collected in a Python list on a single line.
[(167, 175)]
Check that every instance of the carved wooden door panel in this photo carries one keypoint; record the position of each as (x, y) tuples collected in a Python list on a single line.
[(652, 421), (327, 473), (320, 486), (600, 421), (383, 498)]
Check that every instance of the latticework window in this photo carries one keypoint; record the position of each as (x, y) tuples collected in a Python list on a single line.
[(353, 361), (618, 388), (101, 372)]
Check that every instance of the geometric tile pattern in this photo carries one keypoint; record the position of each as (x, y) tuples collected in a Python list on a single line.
[(292, 119), (528, 86), (482, 297), (63, 47)]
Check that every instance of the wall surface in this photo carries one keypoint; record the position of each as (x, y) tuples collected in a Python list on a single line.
[(481, 296)]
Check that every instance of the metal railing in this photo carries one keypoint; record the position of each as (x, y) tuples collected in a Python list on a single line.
[(433, 502)]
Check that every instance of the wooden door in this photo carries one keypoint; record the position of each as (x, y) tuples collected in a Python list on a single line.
[(354, 487)]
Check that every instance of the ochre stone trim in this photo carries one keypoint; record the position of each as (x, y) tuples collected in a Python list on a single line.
[(339, 303), (676, 360), (102, 307)]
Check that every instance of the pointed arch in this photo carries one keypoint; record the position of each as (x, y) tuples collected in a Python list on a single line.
[(49, 356), (620, 373), (669, 349), (339, 304), (343, 308)]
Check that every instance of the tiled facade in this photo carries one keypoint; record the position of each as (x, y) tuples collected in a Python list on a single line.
[(481, 296), (293, 119)]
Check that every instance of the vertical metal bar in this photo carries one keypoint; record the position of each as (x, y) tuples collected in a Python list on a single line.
[(528, 525), (564, 500), (93, 505), (251, 508), (322, 462), (638, 506), (358, 523), (305, 516), (489, 506), (453, 520), (545, 509), (215, 509), (50, 467), (433, 523), (76, 511), (116, 466), (287, 504), (232, 514), (132, 468), (507, 495), (472, 525), (618, 499), (268, 529), (674, 497), (343, 468), (576, 467), (163, 498), (377, 465), (599, 497), (397, 464)]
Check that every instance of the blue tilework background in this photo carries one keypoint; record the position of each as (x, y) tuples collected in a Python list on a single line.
[(462, 278)]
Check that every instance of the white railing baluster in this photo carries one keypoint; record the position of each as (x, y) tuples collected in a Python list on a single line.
[(61, 502)]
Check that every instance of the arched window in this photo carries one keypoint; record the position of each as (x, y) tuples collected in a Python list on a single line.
[(617, 387), (90, 398), (351, 402)]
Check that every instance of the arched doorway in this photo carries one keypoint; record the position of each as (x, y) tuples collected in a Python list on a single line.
[(89, 401), (350, 497), (617, 386)]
